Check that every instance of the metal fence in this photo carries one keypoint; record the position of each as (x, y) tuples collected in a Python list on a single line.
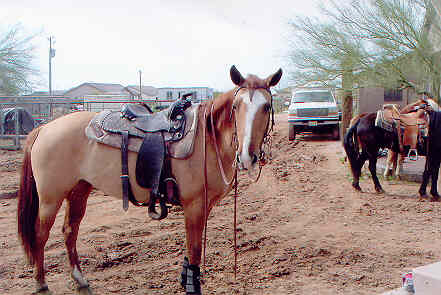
[(45, 109)]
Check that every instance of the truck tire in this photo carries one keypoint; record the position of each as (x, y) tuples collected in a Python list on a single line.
[(291, 132)]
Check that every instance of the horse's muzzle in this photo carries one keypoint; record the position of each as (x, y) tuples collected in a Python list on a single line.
[(246, 165)]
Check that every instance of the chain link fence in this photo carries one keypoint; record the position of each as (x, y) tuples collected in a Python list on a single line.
[(20, 114)]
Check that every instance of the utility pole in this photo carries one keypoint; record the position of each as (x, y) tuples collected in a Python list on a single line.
[(140, 93), (51, 55)]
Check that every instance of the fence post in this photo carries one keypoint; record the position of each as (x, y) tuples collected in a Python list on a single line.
[(1, 122), (17, 129)]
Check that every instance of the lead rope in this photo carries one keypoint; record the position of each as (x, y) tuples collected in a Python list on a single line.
[(219, 161), (205, 181), (226, 181), (235, 225), (267, 141)]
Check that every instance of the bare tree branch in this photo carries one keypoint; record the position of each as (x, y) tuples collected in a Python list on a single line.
[(16, 61)]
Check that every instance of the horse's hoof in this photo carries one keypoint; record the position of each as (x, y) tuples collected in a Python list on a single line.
[(84, 291), (379, 190), (435, 198), (42, 291), (357, 187), (423, 197)]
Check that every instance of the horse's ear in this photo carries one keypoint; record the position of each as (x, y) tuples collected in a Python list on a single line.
[(236, 76), (274, 78)]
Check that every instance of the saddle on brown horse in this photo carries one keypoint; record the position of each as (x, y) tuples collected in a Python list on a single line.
[(407, 126), (156, 137)]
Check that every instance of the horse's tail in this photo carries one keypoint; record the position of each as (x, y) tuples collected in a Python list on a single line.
[(28, 200), (350, 143)]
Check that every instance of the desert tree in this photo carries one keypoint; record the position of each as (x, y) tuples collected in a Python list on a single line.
[(16, 60), (383, 43)]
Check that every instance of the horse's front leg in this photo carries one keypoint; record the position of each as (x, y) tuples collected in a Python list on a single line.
[(194, 226), (399, 165), (426, 175), (435, 170), (390, 163)]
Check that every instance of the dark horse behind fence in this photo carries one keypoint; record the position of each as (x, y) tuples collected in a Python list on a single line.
[(433, 157), (62, 164), (372, 131)]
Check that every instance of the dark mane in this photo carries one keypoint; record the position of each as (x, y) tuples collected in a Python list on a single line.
[(221, 107)]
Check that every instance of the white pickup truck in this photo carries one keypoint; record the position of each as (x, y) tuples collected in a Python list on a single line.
[(313, 110)]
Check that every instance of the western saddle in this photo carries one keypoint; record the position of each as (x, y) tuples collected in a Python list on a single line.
[(408, 126), (152, 135)]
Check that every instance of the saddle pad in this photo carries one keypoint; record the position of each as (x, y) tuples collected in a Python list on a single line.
[(381, 122), (178, 149)]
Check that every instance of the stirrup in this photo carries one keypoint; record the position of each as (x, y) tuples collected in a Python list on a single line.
[(414, 156), (152, 207)]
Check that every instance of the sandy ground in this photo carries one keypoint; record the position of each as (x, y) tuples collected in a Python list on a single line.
[(302, 229)]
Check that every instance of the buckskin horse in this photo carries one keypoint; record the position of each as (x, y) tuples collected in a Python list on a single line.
[(417, 131), (372, 131), (62, 164)]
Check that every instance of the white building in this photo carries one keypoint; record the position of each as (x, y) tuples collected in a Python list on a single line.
[(174, 93)]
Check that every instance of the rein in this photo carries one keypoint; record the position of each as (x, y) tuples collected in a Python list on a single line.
[(262, 161)]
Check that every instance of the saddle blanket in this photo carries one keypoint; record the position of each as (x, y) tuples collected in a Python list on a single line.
[(381, 122), (176, 149)]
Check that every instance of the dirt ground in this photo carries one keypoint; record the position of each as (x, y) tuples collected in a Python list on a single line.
[(302, 229)]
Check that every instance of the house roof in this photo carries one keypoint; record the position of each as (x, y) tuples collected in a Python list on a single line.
[(145, 90), (46, 93), (108, 88)]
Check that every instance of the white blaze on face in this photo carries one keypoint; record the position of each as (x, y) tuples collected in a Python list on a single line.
[(252, 107)]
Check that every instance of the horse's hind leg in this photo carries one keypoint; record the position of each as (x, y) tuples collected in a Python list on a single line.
[(356, 171), (75, 210), (47, 213)]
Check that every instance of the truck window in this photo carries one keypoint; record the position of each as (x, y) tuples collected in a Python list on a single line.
[(312, 97)]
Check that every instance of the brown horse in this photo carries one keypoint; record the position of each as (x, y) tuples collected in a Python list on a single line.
[(62, 164), (413, 135)]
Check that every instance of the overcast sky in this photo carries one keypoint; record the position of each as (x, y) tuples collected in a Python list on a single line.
[(175, 43)]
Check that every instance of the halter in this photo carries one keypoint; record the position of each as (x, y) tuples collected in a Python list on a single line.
[(267, 139)]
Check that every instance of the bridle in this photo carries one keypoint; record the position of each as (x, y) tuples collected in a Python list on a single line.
[(267, 141)]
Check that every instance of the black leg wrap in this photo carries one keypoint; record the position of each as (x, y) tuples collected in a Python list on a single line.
[(193, 283), (41, 289), (184, 272)]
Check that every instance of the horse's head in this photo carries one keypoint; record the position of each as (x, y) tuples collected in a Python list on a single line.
[(252, 108)]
